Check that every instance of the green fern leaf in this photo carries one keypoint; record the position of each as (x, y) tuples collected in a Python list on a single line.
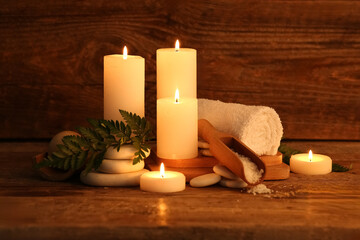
[(94, 141), (98, 160), (67, 163), (339, 168), (59, 154), (90, 134), (64, 149), (71, 142)]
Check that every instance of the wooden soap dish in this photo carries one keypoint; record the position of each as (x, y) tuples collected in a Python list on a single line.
[(189, 167), (277, 172), (199, 161), (189, 173)]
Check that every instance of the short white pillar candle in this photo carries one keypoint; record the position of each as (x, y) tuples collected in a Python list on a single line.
[(176, 68), (177, 128), (310, 164), (162, 182)]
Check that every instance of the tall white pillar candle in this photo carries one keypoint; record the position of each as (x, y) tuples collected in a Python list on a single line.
[(177, 128), (124, 85), (176, 69)]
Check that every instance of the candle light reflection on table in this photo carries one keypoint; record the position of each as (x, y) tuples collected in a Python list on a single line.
[(162, 212)]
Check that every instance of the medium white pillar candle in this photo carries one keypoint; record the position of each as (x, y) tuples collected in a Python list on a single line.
[(176, 68), (162, 182), (177, 128), (310, 164), (124, 85)]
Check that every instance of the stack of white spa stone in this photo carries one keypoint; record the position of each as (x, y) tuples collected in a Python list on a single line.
[(117, 169), (221, 174), (227, 178)]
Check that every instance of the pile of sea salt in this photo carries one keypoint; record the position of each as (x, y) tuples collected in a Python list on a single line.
[(252, 175), (259, 189)]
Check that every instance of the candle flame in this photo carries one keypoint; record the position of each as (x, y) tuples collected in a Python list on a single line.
[(177, 97), (310, 155), (125, 53), (162, 170), (177, 45)]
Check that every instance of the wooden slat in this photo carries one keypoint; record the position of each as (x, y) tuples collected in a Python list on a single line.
[(300, 57)]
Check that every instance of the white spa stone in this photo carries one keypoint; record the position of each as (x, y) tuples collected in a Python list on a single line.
[(205, 180), (112, 180), (205, 152), (224, 172), (120, 166), (125, 152), (233, 183), (203, 144)]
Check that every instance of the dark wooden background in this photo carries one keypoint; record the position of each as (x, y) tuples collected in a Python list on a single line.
[(300, 57)]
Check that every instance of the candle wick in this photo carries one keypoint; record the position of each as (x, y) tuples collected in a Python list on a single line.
[(176, 100)]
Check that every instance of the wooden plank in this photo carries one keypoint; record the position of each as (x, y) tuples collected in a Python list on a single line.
[(302, 207), (300, 57), (48, 109)]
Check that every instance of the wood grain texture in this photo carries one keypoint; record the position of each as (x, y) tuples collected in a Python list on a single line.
[(300, 57), (302, 207)]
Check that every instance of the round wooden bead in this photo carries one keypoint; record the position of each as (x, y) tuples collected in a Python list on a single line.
[(112, 180), (233, 183), (125, 152), (224, 172), (205, 180), (120, 166)]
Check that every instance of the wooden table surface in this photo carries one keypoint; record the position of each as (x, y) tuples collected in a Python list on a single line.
[(302, 207)]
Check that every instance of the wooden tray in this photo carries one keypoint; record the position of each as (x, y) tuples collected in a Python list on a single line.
[(189, 173), (199, 161), (275, 168)]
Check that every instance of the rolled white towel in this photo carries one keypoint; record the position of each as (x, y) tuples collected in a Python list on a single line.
[(259, 127)]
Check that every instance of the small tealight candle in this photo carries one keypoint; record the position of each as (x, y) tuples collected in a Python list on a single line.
[(310, 164), (162, 182)]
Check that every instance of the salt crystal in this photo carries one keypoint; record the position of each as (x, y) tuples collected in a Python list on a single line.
[(259, 189), (252, 173)]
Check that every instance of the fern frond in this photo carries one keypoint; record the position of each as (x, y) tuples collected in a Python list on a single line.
[(89, 149)]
